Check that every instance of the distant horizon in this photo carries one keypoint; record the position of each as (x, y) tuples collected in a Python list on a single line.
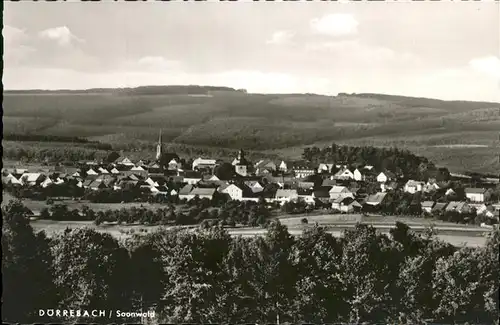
[(239, 89)]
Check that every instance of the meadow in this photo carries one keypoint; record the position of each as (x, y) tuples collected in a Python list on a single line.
[(462, 136)]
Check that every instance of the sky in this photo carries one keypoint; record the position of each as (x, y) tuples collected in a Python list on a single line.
[(444, 50)]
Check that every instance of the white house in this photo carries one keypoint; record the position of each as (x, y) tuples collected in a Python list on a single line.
[(427, 206), (203, 193), (202, 162), (413, 186), (339, 191), (46, 182), (476, 194), (192, 178), (449, 191), (174, 164), (358, 176), (283, 166), (151, 182), (384, 177), (234, 192), (346, 204), (430, 187), (480, 207), (325, 168), (344, 174), (58, 181), (308, 197), (32, 178), (303, 171), (124, 161), (91, 172), (13, 180), (283, 196), (115, 171), (103, 170)]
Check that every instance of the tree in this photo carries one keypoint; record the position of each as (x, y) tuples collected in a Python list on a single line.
[(89, 270), (193, 264), (319, 292), (28, 284), (457, 289), (368, 268), (145, 275), (224, 171), (489, 275), (275, 273)]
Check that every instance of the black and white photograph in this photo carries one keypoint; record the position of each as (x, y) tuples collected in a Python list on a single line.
[(251, 162)]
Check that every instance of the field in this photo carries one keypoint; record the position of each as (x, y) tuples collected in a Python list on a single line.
[(456, 234), (469, 236), (37, 206), (460, 135)]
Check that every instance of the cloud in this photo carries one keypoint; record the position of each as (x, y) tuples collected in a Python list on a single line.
[(62, 35), (335, 25), (489, 65), (357, 52), (157, 63), (281, 37), (16, 48), (13, 35)]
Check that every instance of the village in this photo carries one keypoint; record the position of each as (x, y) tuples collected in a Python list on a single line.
[(294, 186)]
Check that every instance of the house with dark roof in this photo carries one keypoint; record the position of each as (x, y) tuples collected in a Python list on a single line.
[(329, 182), (346, 205), (185, 192), (439, 207), (376, 199), (306, 195), (322, 193), (192, 177)]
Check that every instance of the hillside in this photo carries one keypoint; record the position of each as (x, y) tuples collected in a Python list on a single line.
[(461, 135)]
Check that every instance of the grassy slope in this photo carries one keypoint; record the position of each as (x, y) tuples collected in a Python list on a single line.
[(276, 124)]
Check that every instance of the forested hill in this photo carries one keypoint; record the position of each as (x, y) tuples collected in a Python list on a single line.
[(460, 135), (143, 90)]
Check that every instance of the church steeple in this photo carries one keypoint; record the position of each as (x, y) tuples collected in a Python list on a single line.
[(241, 155), (159, 148)]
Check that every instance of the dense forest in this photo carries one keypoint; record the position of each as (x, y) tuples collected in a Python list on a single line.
[(206, 276), (400, 161)]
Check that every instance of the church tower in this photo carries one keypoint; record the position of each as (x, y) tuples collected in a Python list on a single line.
[(159, 149), (241, 156), (241, 165)]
